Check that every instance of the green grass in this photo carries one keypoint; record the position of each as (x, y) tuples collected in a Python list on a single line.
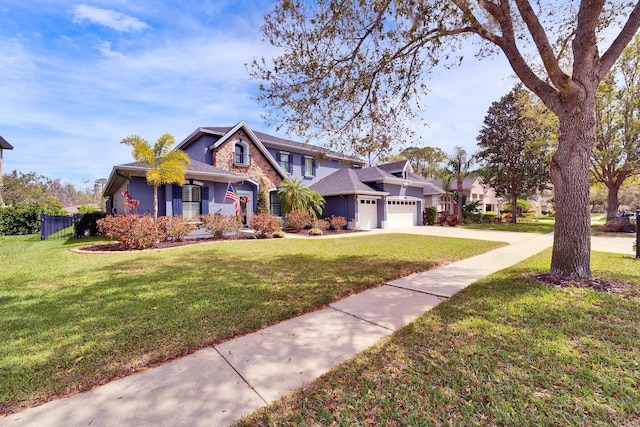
[(71, 321), (523, 227), (506, 351)]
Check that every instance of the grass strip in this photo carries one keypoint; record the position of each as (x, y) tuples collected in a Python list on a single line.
[(72, 321), (506, 351)]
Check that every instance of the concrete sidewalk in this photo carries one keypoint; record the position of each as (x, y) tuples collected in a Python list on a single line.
[(216, 386)]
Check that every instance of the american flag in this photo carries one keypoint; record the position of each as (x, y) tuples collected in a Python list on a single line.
[(231, 195)]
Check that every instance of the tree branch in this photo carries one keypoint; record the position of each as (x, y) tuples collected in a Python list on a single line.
[(624, 37)]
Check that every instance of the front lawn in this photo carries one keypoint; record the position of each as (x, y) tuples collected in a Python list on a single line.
[(71, 321), (523, 227), (506, 351)]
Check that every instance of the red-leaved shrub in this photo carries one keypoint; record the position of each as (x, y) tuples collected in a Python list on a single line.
[(298, 220), (132, 231), (321, 224), (176, 227), (338, 222), (220, 225), (264, 224)]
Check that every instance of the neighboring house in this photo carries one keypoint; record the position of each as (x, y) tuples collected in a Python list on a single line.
[(473, 189), (4, 145), (366, 197)]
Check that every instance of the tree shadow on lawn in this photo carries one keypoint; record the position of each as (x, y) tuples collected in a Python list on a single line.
[(137, 312), (504, 351)]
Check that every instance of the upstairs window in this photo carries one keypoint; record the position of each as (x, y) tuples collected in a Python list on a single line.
[(241, 154), (285, 161), (308, 167)]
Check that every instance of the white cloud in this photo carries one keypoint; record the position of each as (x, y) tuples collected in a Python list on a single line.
[(109, 18)]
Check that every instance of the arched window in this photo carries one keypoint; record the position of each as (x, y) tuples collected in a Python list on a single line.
[(241, 154), (191, 200)]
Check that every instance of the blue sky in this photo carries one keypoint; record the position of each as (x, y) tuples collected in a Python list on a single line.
[(77, 77)]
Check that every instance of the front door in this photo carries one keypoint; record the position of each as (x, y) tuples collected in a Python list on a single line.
[(246, 206)]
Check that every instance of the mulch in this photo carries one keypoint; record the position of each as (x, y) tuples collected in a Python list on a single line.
[(118, 247), (596, 283)]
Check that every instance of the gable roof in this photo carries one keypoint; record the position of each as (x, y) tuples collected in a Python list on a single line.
[(467, 183), (195, 169), (4, 144), (265, 140), (344, 182), (396, 167)]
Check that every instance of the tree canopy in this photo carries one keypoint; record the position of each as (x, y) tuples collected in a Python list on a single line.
[(615, 156), (166, 166), (514, 147), (344, 64)]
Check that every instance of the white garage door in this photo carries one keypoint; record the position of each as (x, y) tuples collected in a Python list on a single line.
[(367, 214), (401, 213)]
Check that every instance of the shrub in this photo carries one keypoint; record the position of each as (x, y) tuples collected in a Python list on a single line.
[(430, 215), (452, 220), (262, 204), (338, 222), (489, 217), (176, 227), (264, 224), (20, 220), (322, 224), (315, 232), (220, 225), (86, 224), (298, 220), (442, 218), (86, 209), (131, 230), (279, 234)]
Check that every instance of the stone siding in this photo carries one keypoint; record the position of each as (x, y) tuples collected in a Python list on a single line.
[(259, 167)]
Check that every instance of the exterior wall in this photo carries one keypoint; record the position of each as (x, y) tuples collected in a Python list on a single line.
[(259, 165), (140, 190), (322, 167), (341, 206), (117, 200), (199, 149)]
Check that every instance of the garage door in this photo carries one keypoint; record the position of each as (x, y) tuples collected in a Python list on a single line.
[(367, 214), (401, 213)]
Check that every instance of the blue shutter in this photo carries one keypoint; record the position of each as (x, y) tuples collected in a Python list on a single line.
[(205, 200), (291, 163), (177, 200)]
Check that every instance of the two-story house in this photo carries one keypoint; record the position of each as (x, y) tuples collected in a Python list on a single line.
[(367, 197)]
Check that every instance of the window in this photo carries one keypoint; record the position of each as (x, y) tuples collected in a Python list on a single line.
[(274, 204), (191, 200), (308, 166), (241, 154), (285, 161)]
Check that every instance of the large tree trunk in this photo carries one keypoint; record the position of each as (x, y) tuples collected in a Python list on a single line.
[(514, 208), (570, 176), (612, 201)]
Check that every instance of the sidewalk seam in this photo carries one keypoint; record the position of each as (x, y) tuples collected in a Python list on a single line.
[(241, 376), (444, 297), (360, 318)]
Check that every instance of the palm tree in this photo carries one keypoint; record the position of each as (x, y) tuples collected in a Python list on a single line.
[(166, 166), (294, 196), (459, 167)]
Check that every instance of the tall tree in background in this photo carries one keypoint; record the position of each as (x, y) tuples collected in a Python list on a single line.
[(459, 165), (615, 156), (514, 148), (166, 166), (345, 63), (425, 161)]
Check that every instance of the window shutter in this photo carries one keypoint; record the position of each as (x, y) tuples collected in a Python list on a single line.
[(290, 163), (205, 200), (177, 200)]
